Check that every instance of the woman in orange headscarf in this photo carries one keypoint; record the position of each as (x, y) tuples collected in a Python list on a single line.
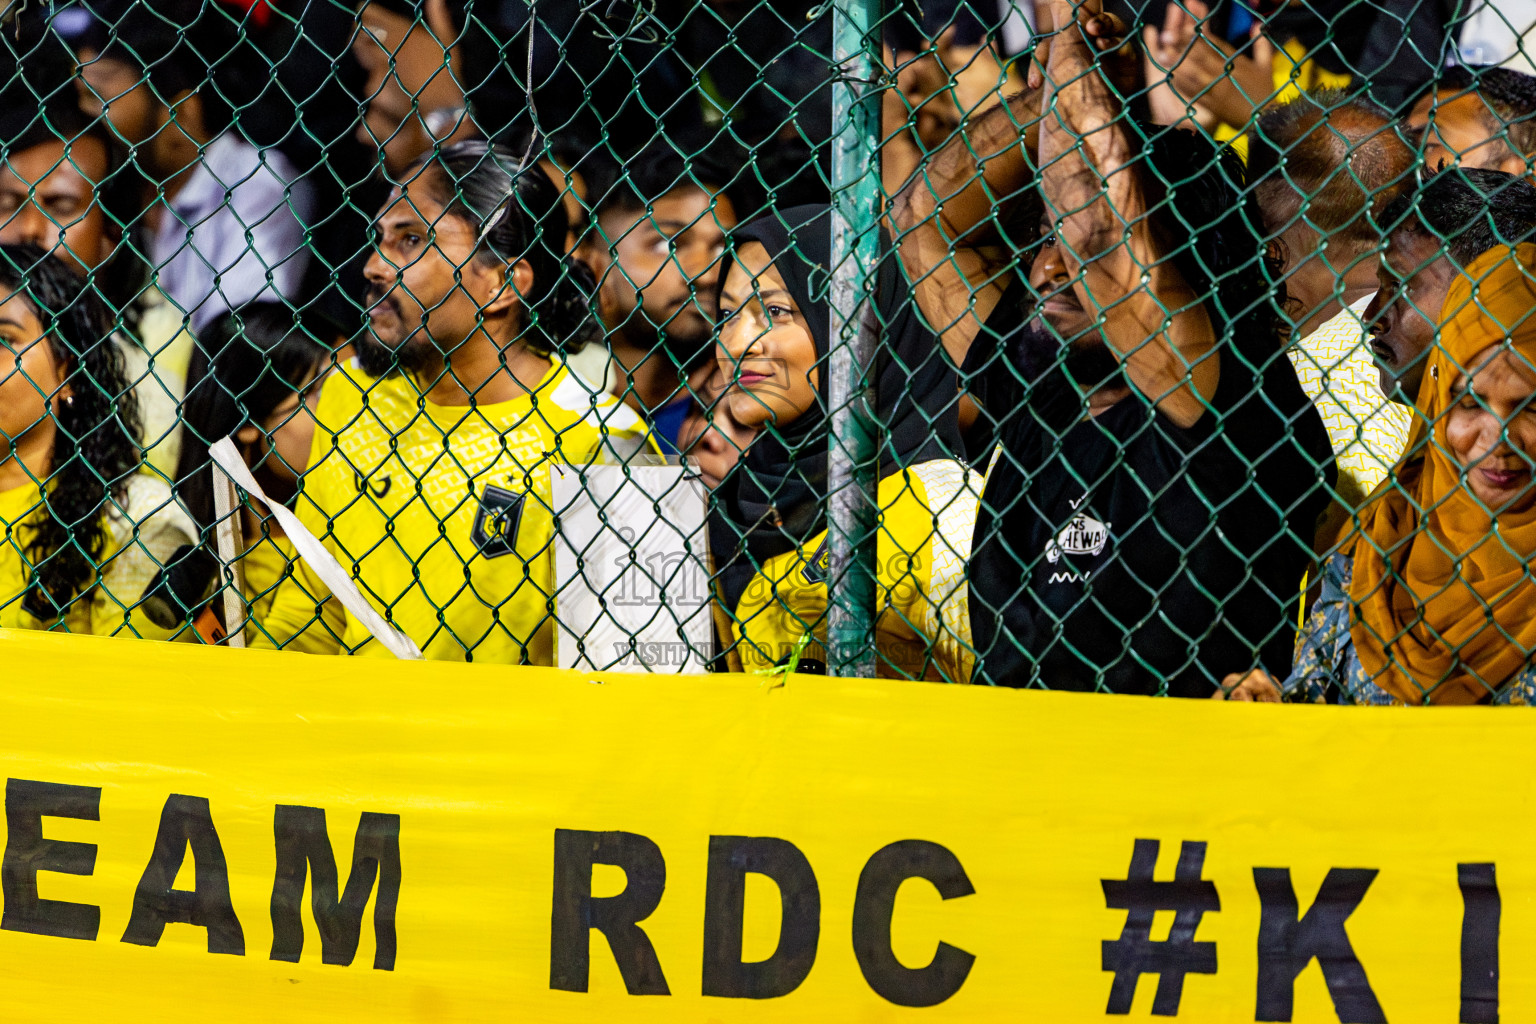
[(1432, 599)]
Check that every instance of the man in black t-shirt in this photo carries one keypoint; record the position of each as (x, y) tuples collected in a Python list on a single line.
[(1149, 510)]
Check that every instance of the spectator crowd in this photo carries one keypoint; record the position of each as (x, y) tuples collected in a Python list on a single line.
[(1205, 358)]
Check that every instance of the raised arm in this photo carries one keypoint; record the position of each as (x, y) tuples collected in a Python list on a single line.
[(1150, 317), (944, 220)]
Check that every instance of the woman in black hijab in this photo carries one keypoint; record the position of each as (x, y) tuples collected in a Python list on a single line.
[(768, 532)]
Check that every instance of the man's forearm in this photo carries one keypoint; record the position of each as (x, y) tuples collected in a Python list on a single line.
[(944, 218), (961, 183), (1083, 143)]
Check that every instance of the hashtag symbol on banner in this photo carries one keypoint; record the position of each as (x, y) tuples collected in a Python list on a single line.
[(1135, 953)]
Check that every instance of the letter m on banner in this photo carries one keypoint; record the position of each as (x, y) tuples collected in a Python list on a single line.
[(304, 851)]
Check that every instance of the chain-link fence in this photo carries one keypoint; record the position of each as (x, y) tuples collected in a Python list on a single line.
[(1168, 347)]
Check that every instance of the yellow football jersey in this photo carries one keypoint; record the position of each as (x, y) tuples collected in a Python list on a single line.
[(923, 627), (268, 562), (442, 514)]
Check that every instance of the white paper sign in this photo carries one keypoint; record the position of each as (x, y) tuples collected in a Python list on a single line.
[(631, 569)]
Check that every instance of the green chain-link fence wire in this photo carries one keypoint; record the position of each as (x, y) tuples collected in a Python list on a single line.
[(994, 352)]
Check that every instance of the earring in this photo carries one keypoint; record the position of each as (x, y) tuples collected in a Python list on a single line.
[(68, 401)]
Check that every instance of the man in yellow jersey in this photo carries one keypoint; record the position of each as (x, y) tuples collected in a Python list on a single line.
[(429, 478)]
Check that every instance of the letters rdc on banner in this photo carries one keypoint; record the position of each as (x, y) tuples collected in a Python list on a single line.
[(210, 833)]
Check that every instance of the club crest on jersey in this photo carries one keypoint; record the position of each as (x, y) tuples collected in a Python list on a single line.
[(1083, 535), (495, 532), (817, 569)]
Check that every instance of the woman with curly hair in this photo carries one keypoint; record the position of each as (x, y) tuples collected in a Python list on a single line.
[(84, 531)]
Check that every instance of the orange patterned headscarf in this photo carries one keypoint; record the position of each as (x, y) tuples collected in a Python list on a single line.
[(1445, 609)]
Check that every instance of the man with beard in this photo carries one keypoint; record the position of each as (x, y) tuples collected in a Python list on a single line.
[(1151, 504), (430, 469), (656, 254)]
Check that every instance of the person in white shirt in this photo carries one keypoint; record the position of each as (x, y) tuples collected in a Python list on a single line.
[(233, 231), (1324, 168), (228, 221)]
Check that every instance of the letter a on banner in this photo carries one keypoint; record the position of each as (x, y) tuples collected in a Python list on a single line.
[(186, 821)]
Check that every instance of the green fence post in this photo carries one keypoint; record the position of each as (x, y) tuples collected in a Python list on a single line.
[(853, 457)]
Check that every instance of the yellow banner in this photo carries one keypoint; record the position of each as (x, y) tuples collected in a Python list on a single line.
[(196, 833)]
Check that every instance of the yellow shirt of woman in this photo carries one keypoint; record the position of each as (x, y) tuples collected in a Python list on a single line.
[(923, 626), (268, 563)]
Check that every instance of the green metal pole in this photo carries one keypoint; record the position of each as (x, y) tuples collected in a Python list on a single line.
[(854, 448)]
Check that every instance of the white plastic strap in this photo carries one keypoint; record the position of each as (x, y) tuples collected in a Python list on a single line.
[(226, 510), (320, 560)]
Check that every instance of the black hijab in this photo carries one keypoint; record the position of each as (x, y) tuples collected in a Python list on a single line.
[(776, 499)]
